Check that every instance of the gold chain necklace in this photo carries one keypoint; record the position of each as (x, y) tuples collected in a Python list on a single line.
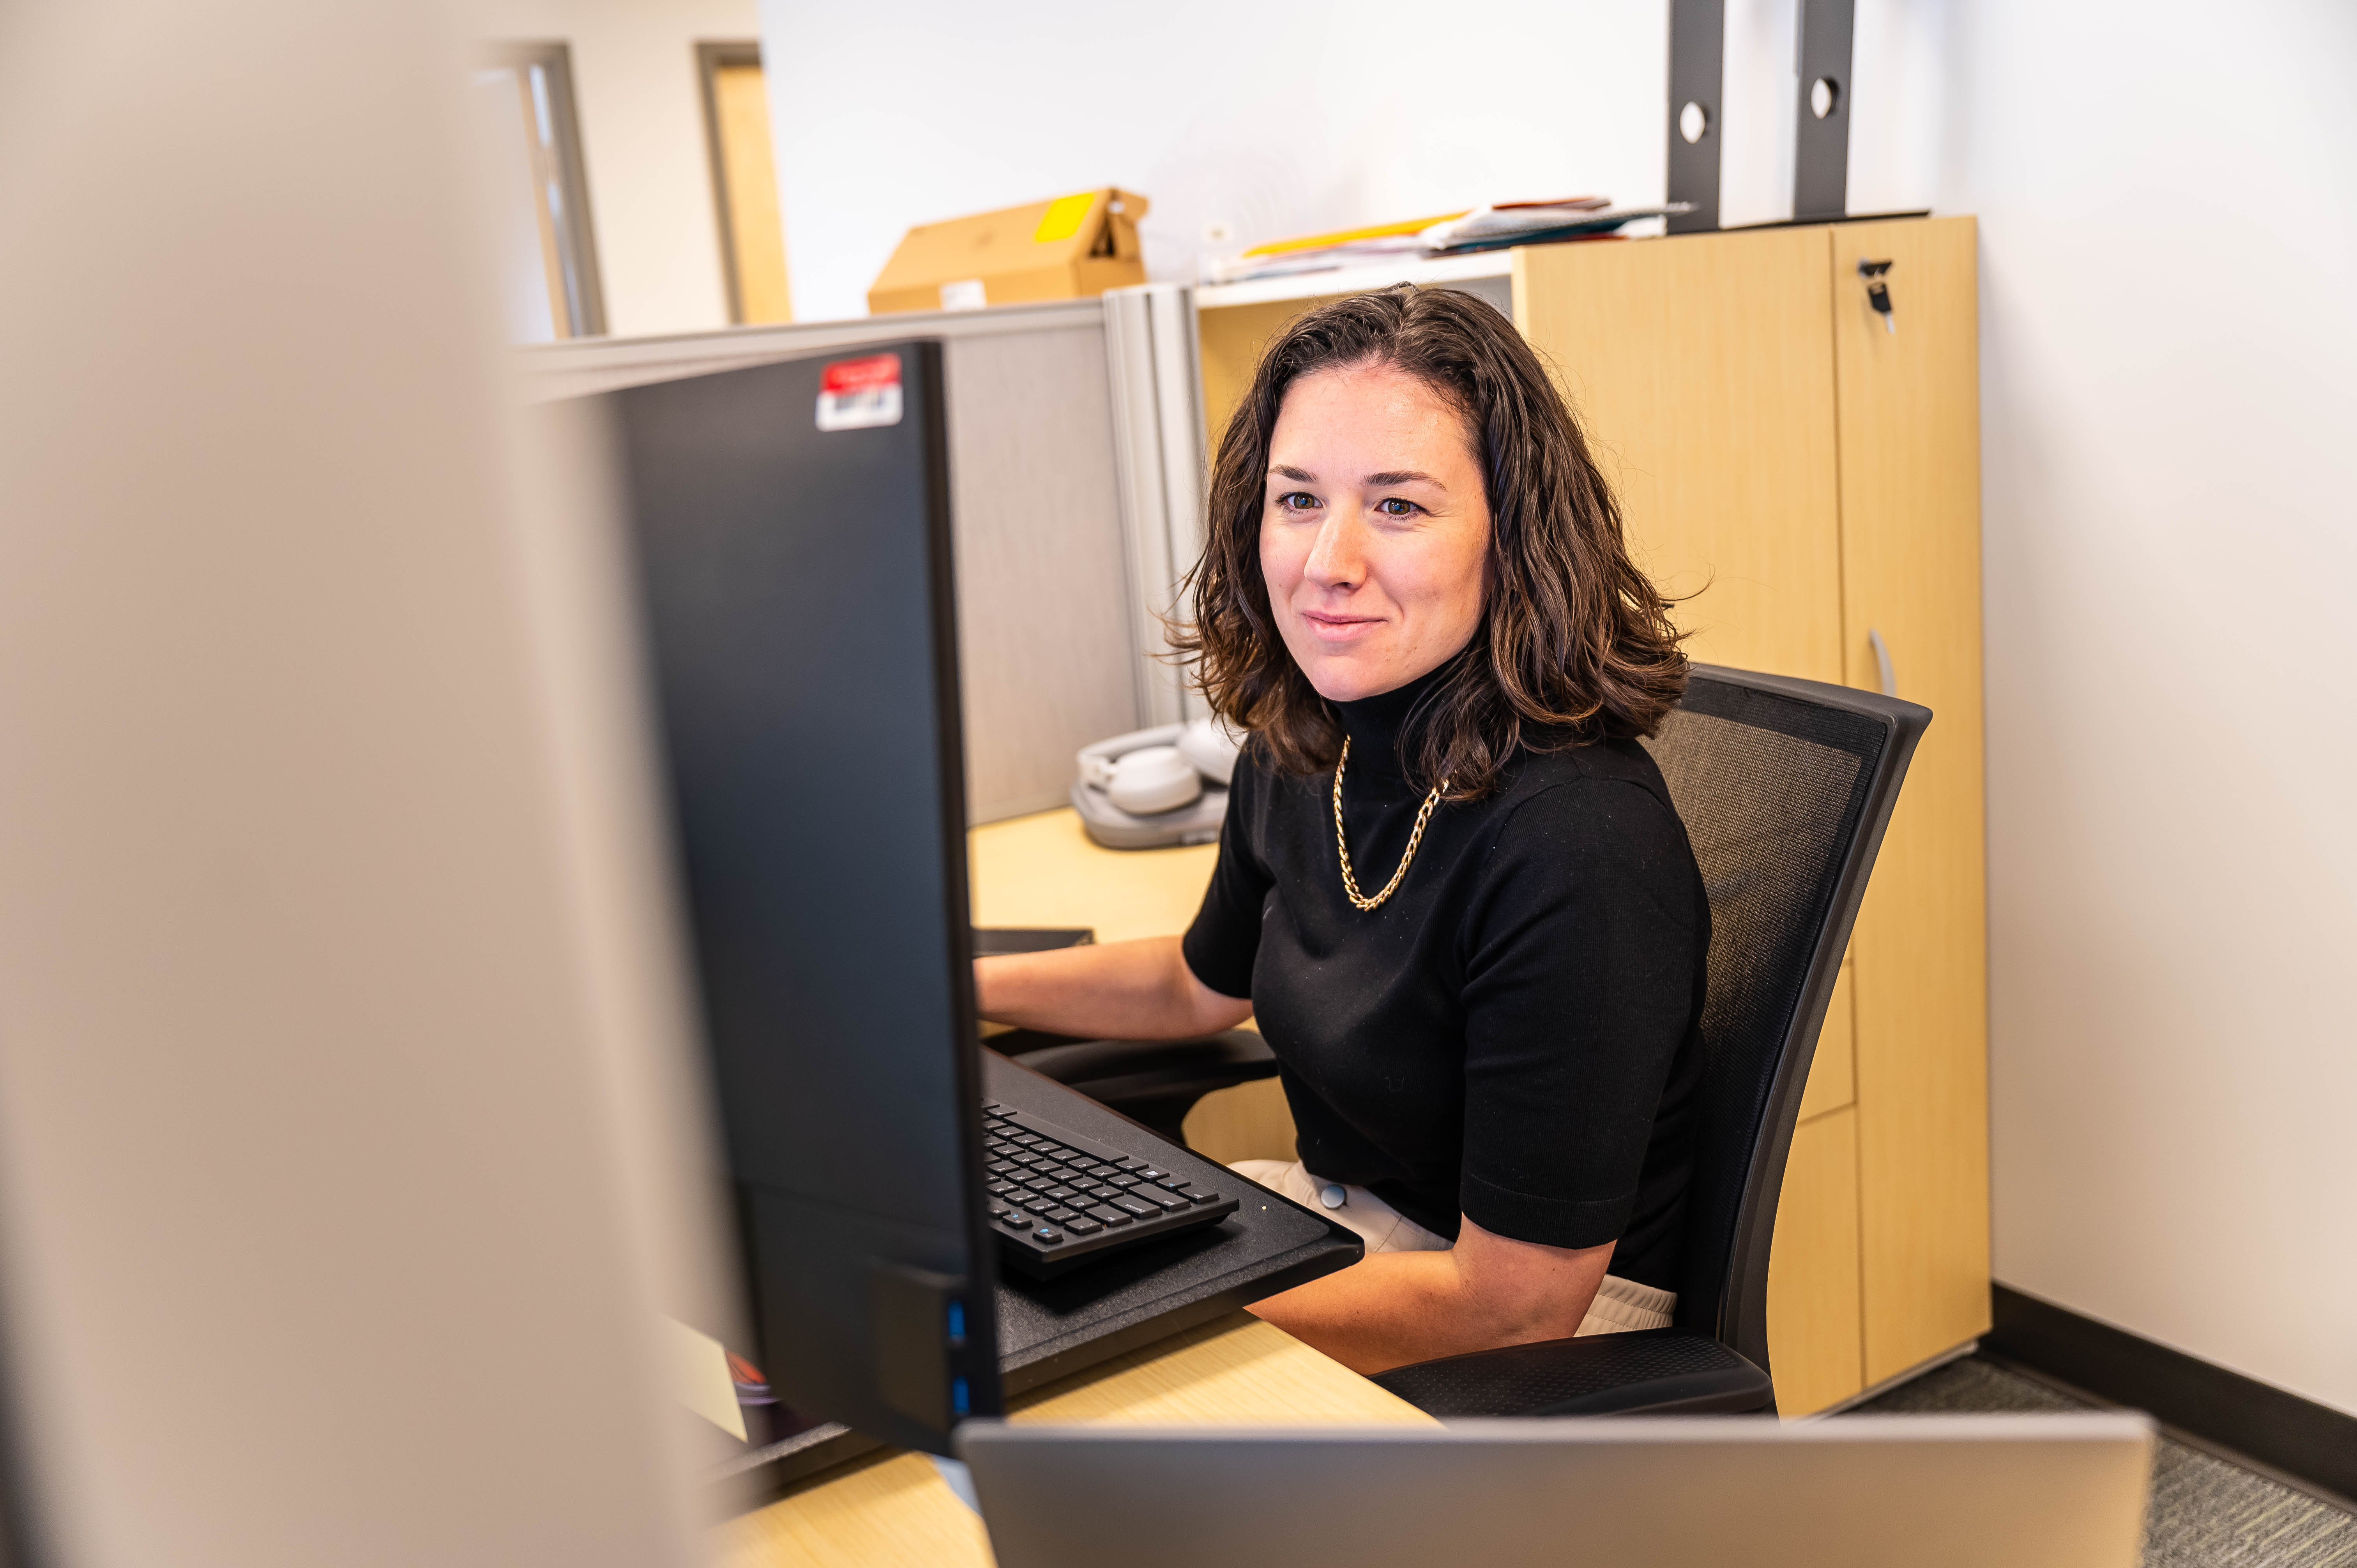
[(1342, 845)]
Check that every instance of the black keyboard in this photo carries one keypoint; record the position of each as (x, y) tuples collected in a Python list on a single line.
[(1058, 1199)]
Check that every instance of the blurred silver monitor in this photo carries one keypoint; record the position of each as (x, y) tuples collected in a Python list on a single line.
[(1930, 1491)]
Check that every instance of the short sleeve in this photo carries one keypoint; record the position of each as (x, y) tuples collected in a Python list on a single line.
[(1222, 944), (1581, 972)]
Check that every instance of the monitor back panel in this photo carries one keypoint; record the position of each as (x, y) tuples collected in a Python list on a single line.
[(790, 527)]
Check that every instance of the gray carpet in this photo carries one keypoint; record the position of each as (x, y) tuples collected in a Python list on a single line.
[(2206, 1513)]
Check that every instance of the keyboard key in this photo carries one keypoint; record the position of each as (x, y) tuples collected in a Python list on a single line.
[(1000, 1211), (1106, 1214), (1201, 1197), (1168, 1202), (1058, 1215), (1081, 1225), (1172, 1183), (1123, 1181), (1150, 1173), (1061, 1194), (1132, 1206), (1016, 1219), (1101, 1191), (1129, 1165), (1047, 1235), (1002, 1188)]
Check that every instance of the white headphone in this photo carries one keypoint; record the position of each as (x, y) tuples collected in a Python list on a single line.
[(1161, 769)]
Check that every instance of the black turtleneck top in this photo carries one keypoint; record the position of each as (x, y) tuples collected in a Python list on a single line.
[(1515, 1035)]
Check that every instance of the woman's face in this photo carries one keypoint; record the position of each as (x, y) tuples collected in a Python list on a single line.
[(1374, 533)]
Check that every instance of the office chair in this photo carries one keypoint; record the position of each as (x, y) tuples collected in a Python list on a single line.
[(1785, 786)]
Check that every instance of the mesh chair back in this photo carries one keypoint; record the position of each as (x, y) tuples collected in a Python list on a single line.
[(1785, 787)]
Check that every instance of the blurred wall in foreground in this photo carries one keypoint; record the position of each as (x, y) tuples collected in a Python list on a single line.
[(313, 1243)]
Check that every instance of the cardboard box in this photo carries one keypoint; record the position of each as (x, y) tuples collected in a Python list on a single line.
[(1065, 248)]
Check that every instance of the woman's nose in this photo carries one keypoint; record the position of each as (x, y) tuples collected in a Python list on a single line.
[(1336, 560)]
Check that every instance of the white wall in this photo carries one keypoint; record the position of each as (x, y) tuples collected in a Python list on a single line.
[(1277, 116), (1281, 117), (2167, 197), (642, 139)]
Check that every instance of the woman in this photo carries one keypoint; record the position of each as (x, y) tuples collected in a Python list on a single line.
[(1451, 887)]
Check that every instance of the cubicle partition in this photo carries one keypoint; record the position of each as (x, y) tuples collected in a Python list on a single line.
[(1051, 606)]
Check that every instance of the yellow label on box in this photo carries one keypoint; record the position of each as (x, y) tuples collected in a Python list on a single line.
[(1065, 215)]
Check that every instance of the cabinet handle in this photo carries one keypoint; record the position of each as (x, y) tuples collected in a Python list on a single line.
[(1878, 291), (1882, 662)]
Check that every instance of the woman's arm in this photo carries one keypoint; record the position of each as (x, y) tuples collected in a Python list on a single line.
[(1394, 1308), (1129, 991)]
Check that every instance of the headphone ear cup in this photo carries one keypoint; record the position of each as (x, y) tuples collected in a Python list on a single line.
[(1154, 779), (1211, 746)]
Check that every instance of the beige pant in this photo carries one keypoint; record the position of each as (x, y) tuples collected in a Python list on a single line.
[(1620, 1304)]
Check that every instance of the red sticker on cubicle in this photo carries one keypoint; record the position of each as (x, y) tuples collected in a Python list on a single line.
[(860, 394)]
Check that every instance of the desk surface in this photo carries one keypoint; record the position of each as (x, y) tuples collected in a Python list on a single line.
[(894, 1509), (1043, 871)]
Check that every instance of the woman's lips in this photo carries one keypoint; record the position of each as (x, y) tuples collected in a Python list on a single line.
[(1340, 629)]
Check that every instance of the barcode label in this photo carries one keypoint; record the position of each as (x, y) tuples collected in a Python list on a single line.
[(860, 394)]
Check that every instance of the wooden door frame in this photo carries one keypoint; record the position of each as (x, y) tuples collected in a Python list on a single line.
[(712, 57)]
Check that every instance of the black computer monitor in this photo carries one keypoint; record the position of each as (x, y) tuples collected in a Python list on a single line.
[(791, 537)]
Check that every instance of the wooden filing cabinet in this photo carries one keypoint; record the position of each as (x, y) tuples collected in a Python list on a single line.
[(1811, 478)]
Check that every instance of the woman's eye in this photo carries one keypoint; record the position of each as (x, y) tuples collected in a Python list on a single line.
[(1393, 506), (1297, 501)]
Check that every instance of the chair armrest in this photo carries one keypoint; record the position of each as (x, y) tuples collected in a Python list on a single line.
[(1650, 1372), (1114, 1070)]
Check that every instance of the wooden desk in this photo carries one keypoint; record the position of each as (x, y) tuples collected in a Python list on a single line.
[(894, 1509), (1044, 871)]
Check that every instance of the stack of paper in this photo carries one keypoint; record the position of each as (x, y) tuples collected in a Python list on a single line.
[(1323, 252), (1453, 233), (1537, 222)]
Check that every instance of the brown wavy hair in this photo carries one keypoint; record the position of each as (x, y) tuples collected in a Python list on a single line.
[(1574, 643)]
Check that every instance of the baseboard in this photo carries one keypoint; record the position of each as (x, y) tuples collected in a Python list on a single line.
[(2282, 1432)]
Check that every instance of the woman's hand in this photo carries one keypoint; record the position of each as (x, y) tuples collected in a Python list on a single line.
[(1121, 990), (1394, 1308)]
